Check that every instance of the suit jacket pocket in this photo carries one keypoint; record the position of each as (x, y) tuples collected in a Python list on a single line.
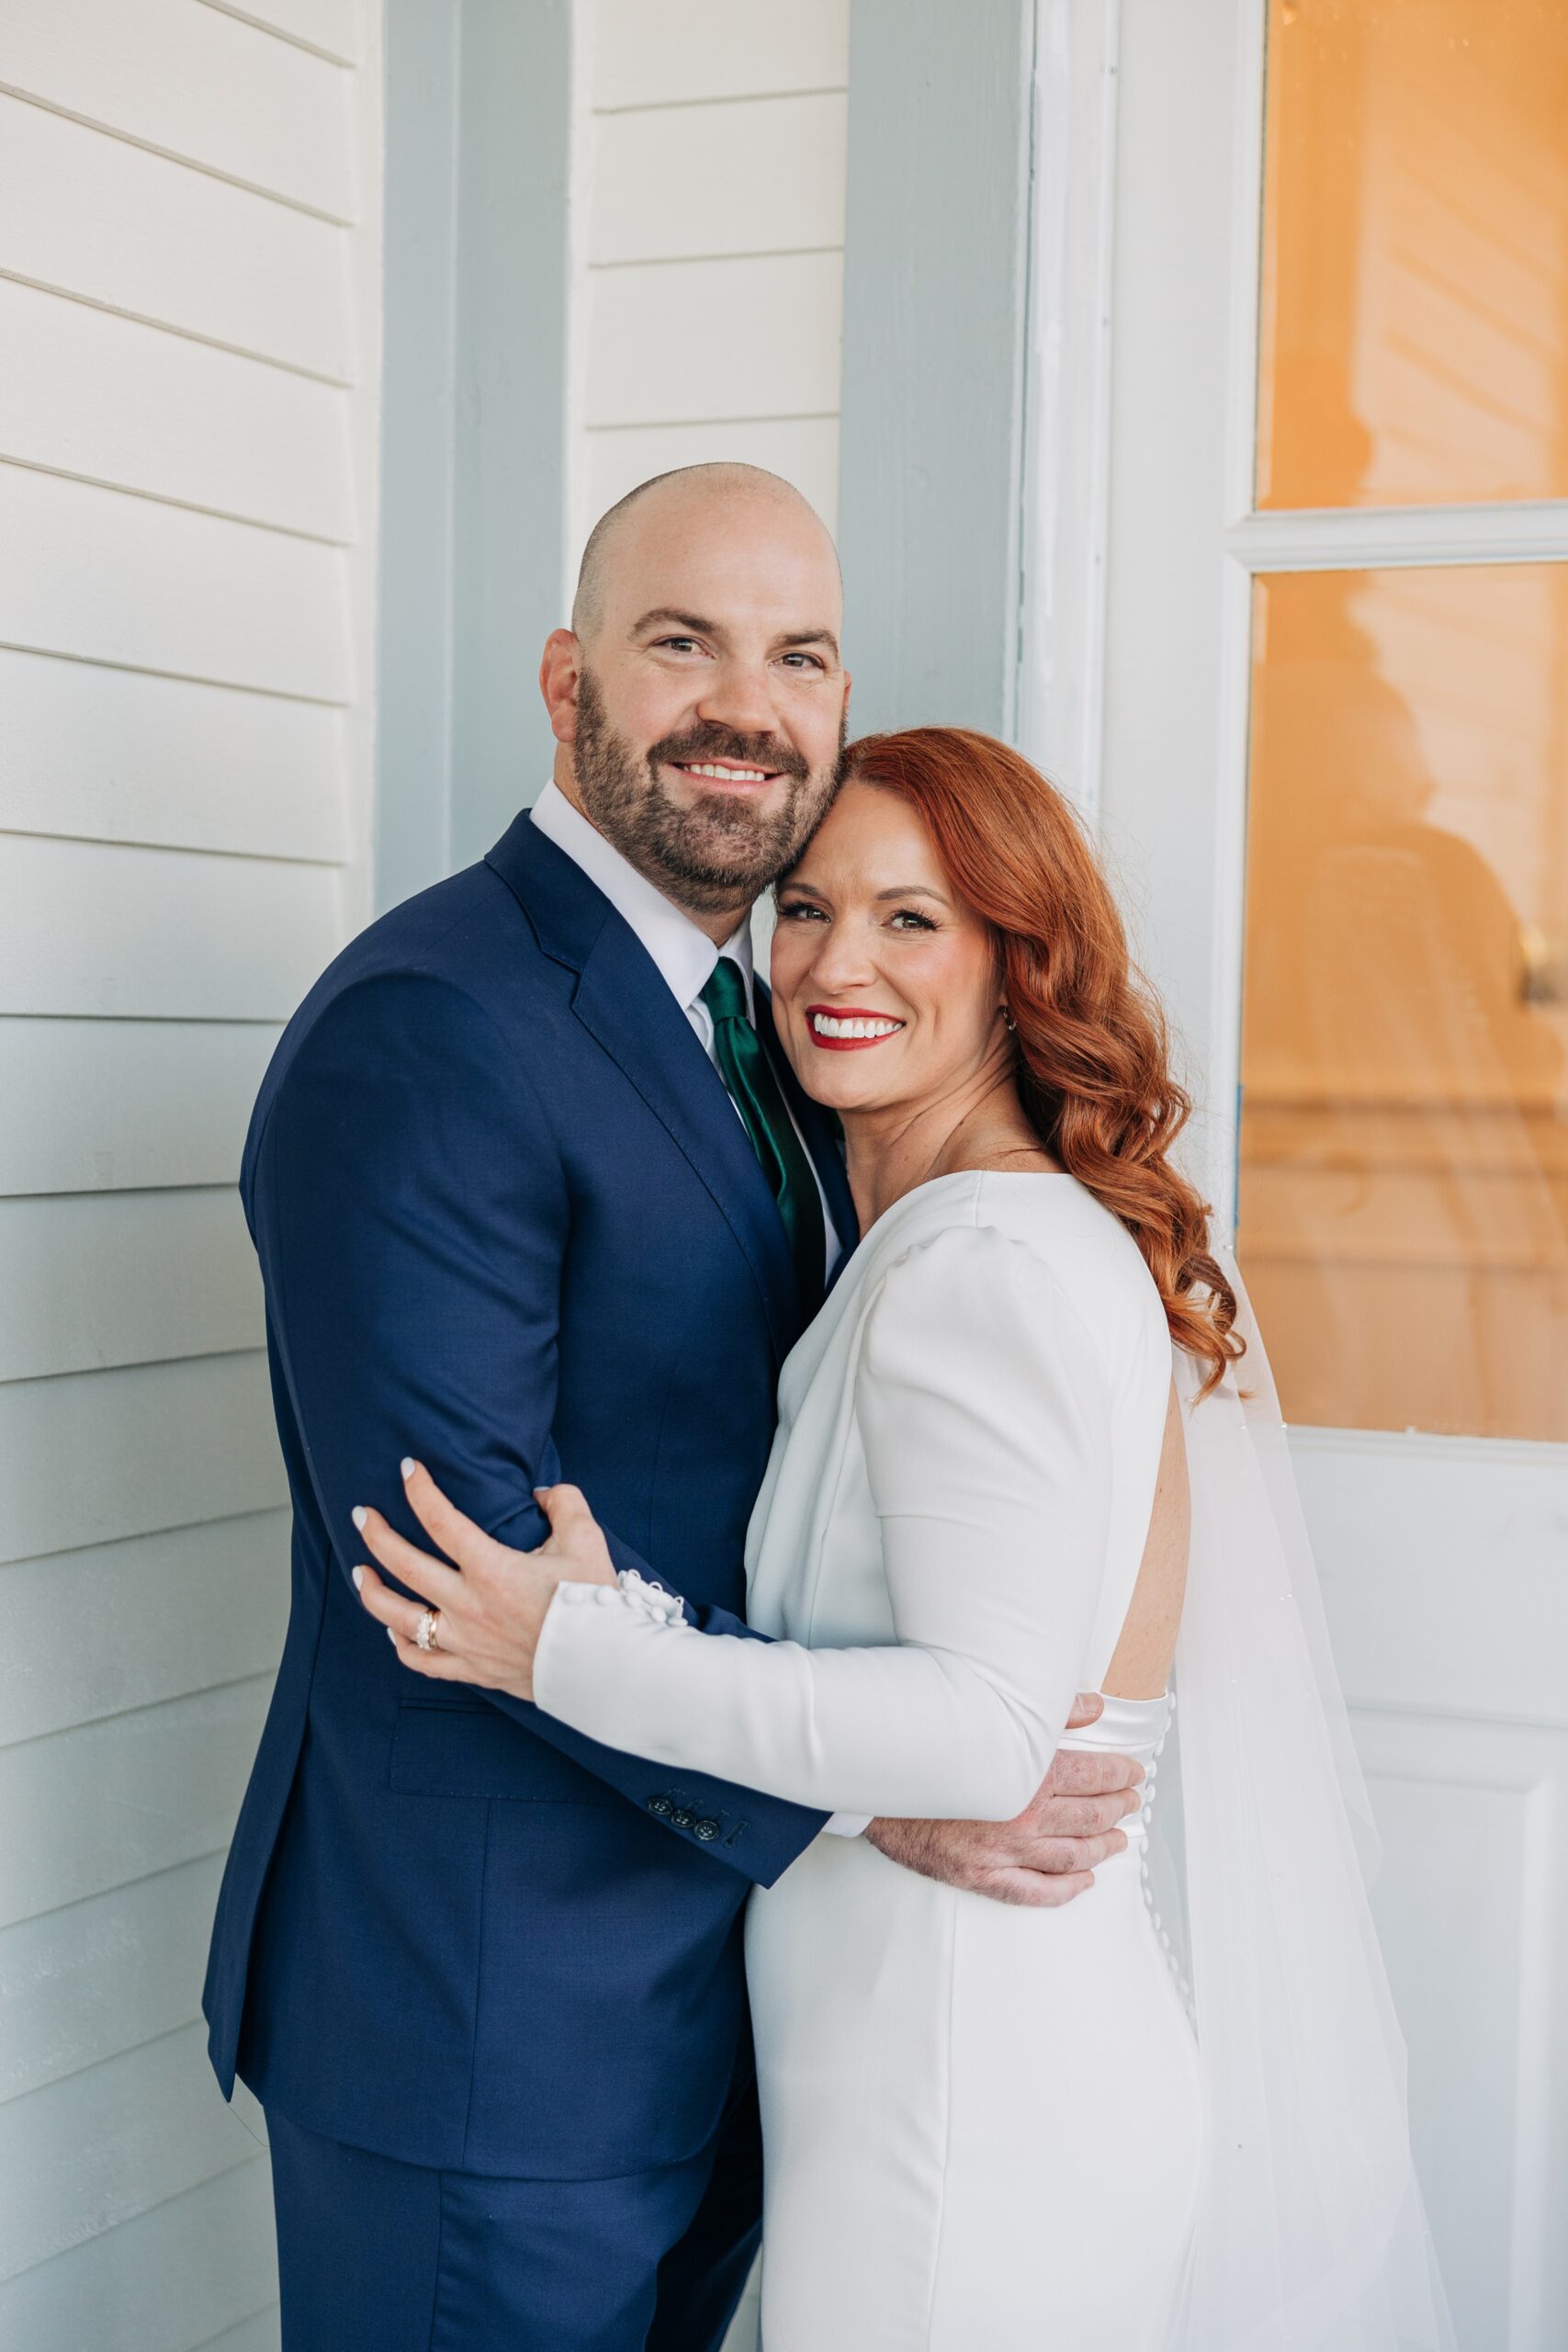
[(445, 1749)]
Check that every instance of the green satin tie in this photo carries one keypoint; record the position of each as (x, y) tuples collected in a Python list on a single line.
[(757, 1095)]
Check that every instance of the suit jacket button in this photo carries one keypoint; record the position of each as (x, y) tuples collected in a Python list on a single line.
[(706, 1830), (663, 1806), (680, 1818)]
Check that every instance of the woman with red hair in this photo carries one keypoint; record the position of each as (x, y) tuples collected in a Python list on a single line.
[(993, 2126)]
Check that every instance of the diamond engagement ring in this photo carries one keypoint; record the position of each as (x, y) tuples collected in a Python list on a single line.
[(425, 1632)]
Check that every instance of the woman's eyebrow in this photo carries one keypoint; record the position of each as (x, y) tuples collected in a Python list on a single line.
[(907, 891)]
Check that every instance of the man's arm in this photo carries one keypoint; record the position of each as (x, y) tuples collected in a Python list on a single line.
[(409, 1209), (1050, 1852)]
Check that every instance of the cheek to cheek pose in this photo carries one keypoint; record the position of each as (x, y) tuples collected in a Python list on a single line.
[(985, 2121)]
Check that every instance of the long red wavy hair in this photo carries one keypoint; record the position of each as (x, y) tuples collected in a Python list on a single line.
[(1093, 1051)]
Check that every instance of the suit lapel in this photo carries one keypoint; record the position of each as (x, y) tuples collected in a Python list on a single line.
[(625, 1005), (623, 1002)]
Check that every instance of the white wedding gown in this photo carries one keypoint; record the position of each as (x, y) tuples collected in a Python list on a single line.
[(983, 2124)]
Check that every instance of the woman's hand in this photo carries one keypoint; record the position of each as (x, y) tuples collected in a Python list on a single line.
[(480, 1620)]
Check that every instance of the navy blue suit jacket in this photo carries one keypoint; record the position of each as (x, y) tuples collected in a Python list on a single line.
[(508, 1221)]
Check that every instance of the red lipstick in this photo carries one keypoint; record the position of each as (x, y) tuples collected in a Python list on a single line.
[(836, 1014)]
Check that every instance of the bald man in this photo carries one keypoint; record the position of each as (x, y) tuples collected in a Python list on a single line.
[(536, 1197)]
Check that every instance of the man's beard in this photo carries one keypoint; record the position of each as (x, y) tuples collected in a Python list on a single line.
[(724, 850)]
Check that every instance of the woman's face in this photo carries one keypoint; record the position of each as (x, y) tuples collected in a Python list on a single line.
[(885, 988)]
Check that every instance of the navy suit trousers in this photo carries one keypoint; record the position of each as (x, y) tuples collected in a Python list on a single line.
[(375, 2255)]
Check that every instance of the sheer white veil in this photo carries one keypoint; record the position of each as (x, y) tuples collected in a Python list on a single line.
[(1311, 2235)]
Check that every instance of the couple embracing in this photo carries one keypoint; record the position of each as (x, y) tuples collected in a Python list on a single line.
[(823, 1420)]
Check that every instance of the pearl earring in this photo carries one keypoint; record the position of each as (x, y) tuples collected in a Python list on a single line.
[(1009, 1023)]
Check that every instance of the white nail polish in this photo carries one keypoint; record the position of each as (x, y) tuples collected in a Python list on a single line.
[(392, 1636), (359, 1514), (358, 1579), (407, 1465)]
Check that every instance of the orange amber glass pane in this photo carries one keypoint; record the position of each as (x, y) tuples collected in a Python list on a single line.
[(1414, 330), (1403, 1218)]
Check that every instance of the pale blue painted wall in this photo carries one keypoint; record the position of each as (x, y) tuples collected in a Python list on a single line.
[(473, 517), (931, 432)]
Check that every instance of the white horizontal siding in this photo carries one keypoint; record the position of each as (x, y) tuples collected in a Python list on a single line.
[(109, 1802), (691, 342), (187, 461), (710, 278), (89, 2152), (102, 577), (334, 29), (712, 49), (94, 927), (194, 84), (142, 234), (116, 756), (188, 422), (90, 1457), (217, 1593), (82, 1984), (262, 2333), (92, 1280), (96, 1105), (756, 175), (158, 2280), (194, 2261)]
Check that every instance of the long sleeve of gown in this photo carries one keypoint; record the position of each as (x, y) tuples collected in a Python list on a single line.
[(984, 1418)]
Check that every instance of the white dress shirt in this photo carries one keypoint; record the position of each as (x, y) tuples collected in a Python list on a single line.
[(686, 957)]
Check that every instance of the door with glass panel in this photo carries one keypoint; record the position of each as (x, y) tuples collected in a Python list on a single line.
[(1330, 760)]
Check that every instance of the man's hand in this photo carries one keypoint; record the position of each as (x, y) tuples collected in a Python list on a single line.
[(1048, 1854)]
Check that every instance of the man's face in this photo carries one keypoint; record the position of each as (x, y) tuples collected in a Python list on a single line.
[(709, 710)]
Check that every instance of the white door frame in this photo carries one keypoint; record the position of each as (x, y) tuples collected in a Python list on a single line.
[(1061, 636), (1443, 1559)]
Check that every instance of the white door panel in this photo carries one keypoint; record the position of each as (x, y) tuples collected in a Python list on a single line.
[(1469, 1906), (1444, 1559)]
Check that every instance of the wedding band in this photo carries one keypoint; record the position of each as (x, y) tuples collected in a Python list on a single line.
[(425, 1632)]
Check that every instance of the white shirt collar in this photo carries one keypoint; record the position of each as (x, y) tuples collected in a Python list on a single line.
[(684, 954)]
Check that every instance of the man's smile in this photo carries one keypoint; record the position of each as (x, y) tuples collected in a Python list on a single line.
[(729, 773)]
